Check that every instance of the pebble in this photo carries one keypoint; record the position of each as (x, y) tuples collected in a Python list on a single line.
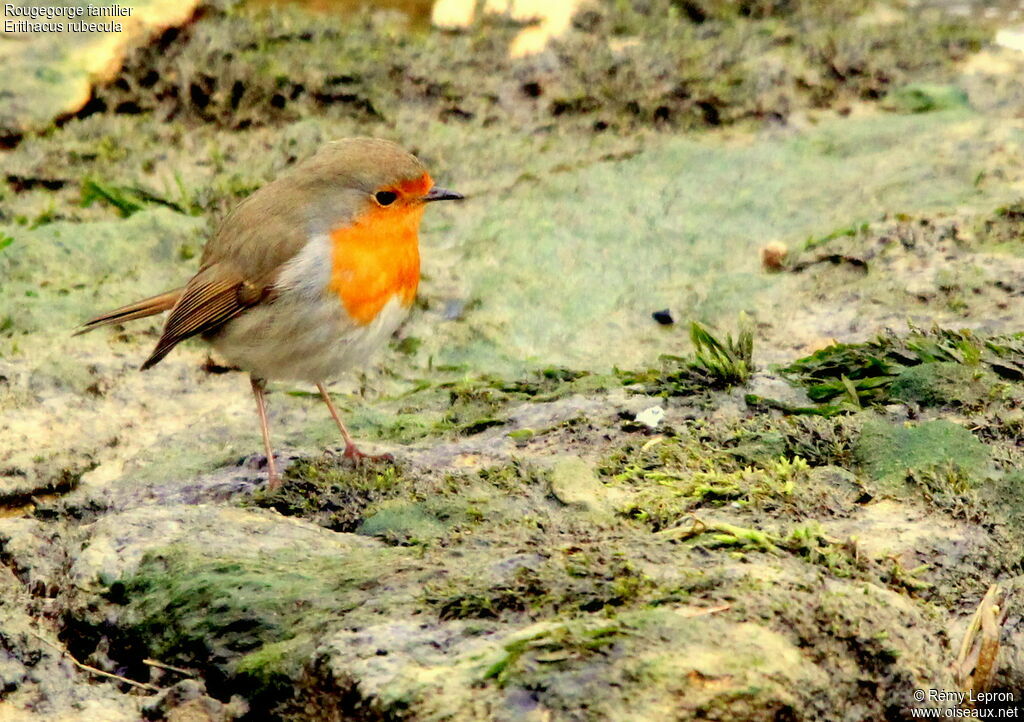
[(651, 417)]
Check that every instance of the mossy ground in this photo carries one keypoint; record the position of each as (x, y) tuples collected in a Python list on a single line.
[(765, 552), (625, 567), (762, 532)]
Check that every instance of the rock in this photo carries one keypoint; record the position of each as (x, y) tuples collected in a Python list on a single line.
[(409, 664), (895, 529), (773, 256), (651, 417), (664, 317), (440, 671), (770, 386), (35, 553), (112, 547), (187, 701), (575, 484), (37, 682), (26, 474)]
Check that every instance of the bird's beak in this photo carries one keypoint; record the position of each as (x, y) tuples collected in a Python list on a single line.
[(440, 194)]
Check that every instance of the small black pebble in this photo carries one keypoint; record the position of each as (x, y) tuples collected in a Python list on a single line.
[(664, 317)]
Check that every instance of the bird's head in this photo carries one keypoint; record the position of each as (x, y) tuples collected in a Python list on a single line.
[(372, 177)]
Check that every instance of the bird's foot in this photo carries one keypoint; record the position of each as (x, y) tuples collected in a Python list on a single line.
[(358, 457), (258, 462)]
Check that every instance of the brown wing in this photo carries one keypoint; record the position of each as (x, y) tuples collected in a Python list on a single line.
[(254, 241), (239, 264), (212, 297)]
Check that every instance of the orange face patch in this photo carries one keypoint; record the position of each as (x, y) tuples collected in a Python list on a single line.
[(378, 256)]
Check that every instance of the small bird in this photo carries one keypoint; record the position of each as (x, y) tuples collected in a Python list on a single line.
[(308, 276)]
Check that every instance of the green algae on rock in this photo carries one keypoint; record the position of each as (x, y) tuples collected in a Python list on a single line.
[(889, 452), (946, 383), (256, 616)]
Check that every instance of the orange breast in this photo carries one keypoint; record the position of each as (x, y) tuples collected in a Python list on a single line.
[(375, 259)]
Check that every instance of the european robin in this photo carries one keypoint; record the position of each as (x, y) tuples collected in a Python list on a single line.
[(307, 277)]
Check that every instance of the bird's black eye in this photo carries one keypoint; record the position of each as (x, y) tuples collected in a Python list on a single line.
[(385, 198)]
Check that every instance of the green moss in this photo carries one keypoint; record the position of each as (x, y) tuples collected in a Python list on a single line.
[(330, 492), (550, 644), (921, 366), (672, 478), (656, 657), (945, 384), (517, 476), (849, 231), (272, 669), (888, 452), (571, 582), (407, 522), (239, 613), (522, 437), (1003, 497), (811, 543), (925, 98), (1002, 230), (412, 422), (472, 598), (702, 66), (723, 535), (821, 441), (452, 404), (820, 45)]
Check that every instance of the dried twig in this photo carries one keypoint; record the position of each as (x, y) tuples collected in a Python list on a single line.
[(172, 668), (690, 612), (94, 670), (975, 666)]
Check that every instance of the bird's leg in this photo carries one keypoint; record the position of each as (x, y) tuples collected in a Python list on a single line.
[(351, 450), (259, 387)]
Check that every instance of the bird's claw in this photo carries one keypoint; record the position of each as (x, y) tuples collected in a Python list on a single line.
[(358, 457)]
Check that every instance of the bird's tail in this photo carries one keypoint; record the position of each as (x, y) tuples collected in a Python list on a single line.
[(140, 309)]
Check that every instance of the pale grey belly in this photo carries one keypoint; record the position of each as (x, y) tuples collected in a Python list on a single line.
[(295, 338)]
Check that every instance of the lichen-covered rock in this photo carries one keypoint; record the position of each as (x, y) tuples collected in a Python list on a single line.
[(37, 680), (187, 701)]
